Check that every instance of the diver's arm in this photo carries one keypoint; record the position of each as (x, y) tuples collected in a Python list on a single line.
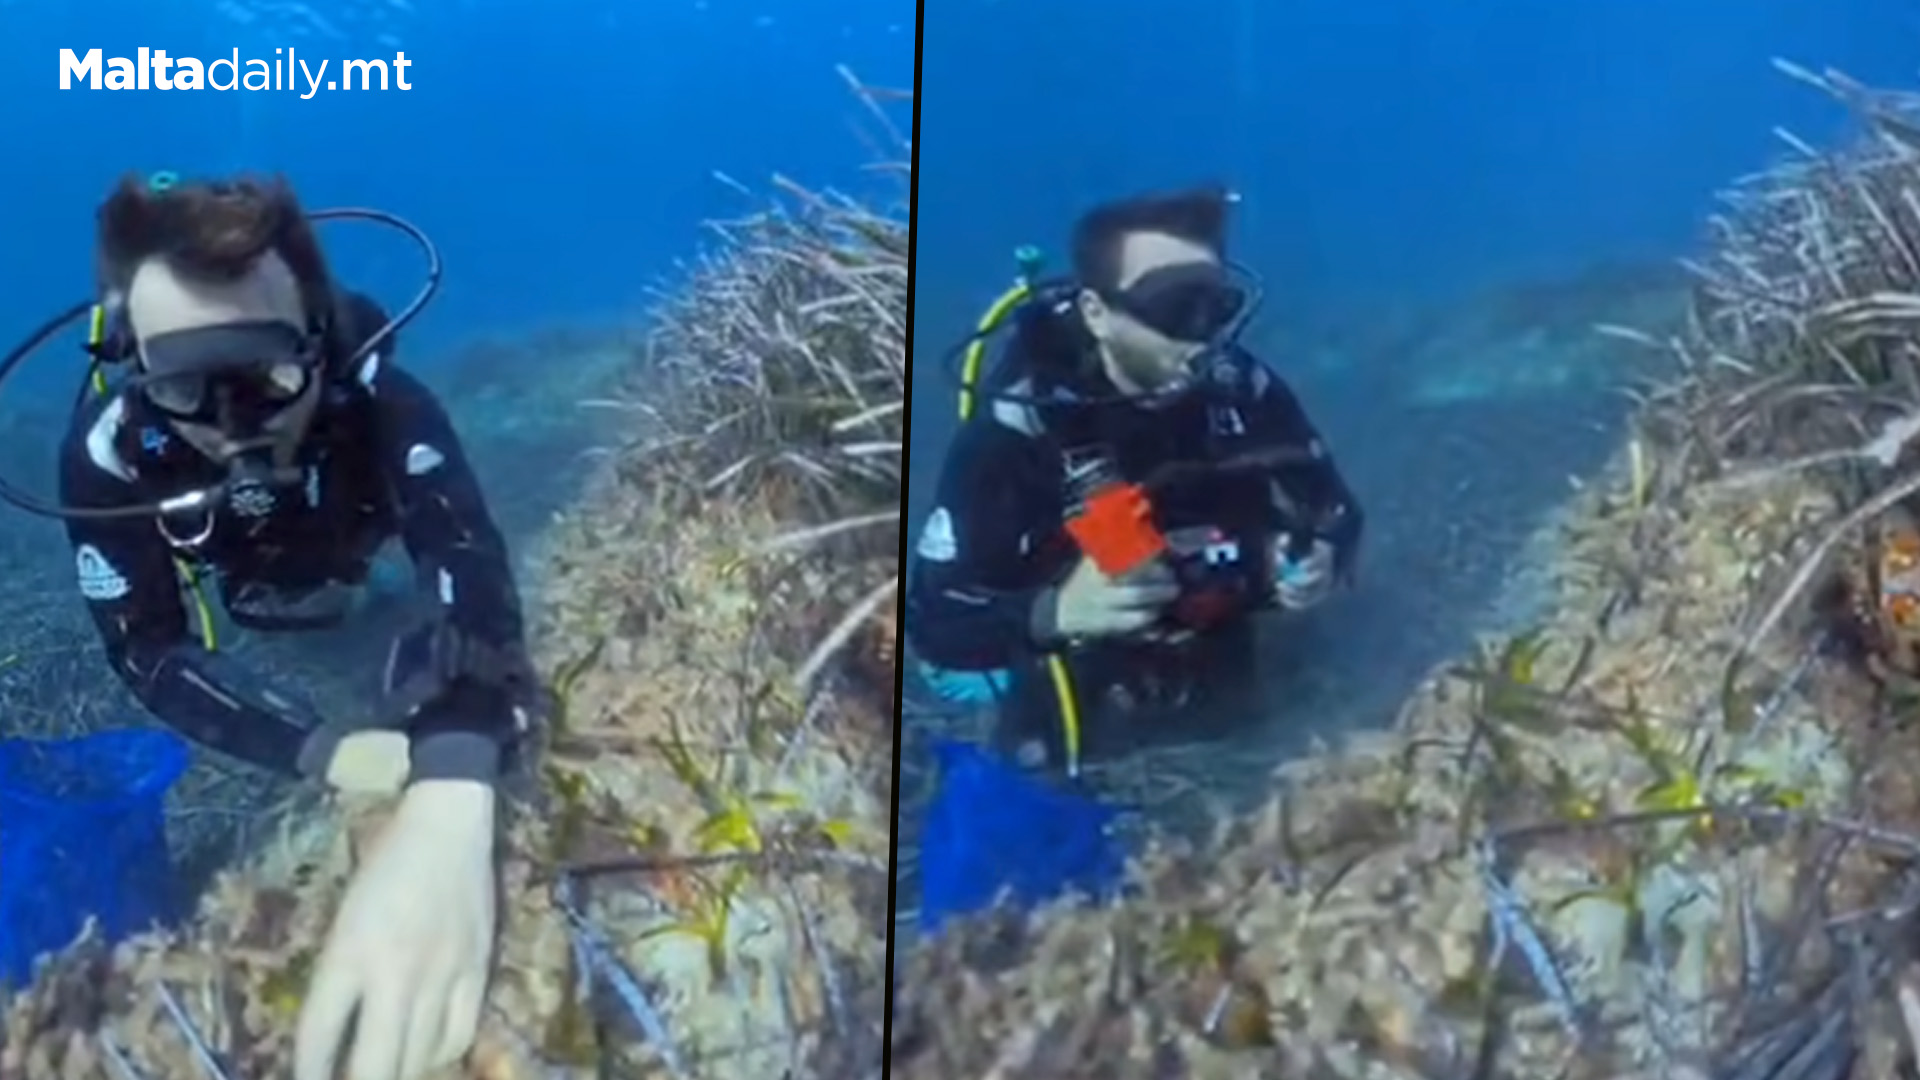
[(972, 599), (1276, 418), (127, 576), (451, 535)]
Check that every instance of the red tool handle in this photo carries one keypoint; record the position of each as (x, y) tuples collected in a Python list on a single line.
[(1116, 530)]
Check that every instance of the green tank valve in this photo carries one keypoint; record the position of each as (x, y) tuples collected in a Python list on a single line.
[(1029, 259), (163, 181)]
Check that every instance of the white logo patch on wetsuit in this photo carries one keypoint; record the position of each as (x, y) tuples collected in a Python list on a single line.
[(99, 581), (1226, 421), (423, 459), (937, 542)]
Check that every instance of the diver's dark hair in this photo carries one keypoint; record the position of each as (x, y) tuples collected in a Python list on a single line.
[(210, 231), (1198, 215)]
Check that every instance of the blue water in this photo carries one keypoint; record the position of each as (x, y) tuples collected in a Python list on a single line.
[(1427, 189), (1386, 148), (560, 154)]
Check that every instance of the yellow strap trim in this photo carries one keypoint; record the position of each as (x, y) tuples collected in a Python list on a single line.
[(1069, 711)]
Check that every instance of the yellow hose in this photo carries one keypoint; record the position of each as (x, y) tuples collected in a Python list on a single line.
[(977, 349), (1069, 711), (970, 365)]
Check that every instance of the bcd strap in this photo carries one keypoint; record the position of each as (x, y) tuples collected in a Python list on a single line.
[(251, 607)]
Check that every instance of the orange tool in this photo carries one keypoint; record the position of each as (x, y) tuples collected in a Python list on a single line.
[(1115, 529)]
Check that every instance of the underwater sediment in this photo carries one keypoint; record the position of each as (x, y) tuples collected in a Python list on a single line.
[(1667, 829), (712, 815)]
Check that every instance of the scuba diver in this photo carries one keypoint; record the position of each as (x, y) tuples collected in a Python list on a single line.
[(1132, 485), (244, 424)]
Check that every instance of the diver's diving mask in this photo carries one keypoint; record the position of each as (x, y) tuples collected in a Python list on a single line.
[(1203, 304), (236, 378), (1192, 303)]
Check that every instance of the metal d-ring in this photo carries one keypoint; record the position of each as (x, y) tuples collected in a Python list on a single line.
[(187, 543)]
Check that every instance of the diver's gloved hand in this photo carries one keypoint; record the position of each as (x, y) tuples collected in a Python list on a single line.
[(1305, 582), (371, 763), (405, 964), (1092, 605)]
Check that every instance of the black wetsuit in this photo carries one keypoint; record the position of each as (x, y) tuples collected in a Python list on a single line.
[(984, 580), (381, 460)]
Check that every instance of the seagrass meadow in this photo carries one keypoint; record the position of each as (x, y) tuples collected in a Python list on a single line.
[(1668, 828), (715, 617)]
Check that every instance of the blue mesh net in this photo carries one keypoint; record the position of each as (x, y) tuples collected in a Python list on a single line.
[(82, 835), (992, 828)]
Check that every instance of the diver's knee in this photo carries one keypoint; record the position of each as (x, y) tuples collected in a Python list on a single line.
[(966, 687)]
